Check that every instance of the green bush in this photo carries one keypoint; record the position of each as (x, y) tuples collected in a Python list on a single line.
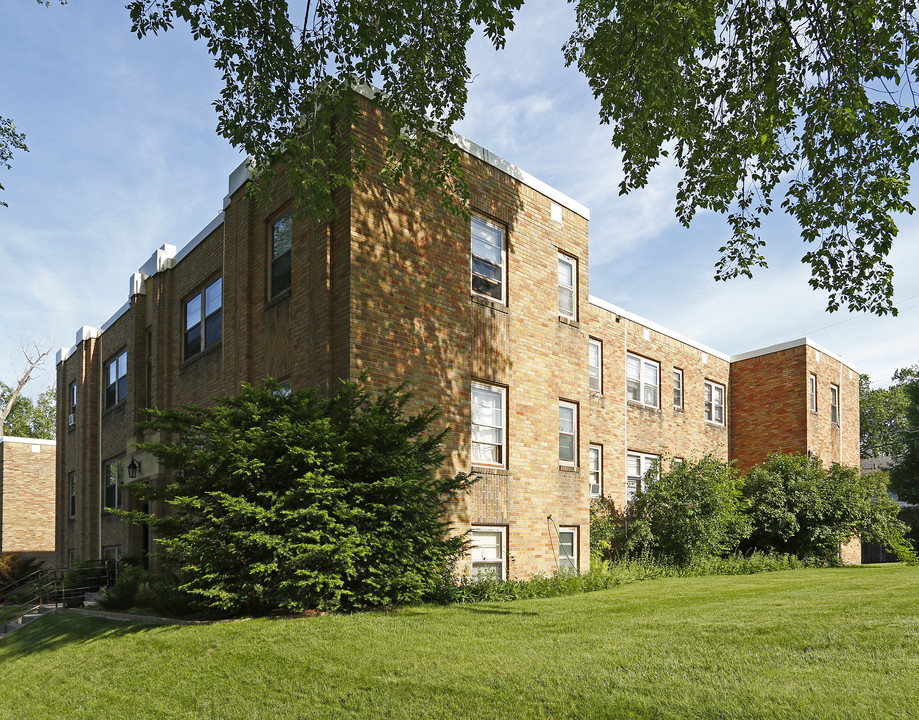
[(137, 589), (303, 501), (693, 511), (798, 507), (15, 567)]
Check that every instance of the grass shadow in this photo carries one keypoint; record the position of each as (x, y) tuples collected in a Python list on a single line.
[(54, 631)]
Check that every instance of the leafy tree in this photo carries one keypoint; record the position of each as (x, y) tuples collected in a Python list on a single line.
[(882, 418), (27, 417), (302, 501), (904, 475), (744, 94), (692, 512), (801, 508), (10, 140)]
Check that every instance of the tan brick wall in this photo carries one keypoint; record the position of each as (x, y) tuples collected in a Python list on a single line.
[(27, 496), (384, 287)]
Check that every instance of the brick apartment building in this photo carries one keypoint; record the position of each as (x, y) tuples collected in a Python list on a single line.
[(27, 512), (550, 395)]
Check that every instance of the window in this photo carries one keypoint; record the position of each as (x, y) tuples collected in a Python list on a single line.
[(203, 319), (116, 372), (487, 424), (834, 404), (72, 558), (642, 380), (72, 415), (113, 478), (676, 462), (567, 432), (639, 467), (813, 392), (595, 470), (595, 365), (714, 402), (111, 553), (72, 482), (281, 241), (677, 389), (489, 548), (567, 286), (487, 259), (568, 549)]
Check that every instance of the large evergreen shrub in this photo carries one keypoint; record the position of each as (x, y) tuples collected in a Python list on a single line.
[(303, 501)]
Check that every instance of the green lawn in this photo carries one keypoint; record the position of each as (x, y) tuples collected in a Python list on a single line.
[(8, 612), (834, 643)]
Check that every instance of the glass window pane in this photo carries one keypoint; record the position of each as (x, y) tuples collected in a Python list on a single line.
[(122, 364), (193, 342), (281, 237), (650, 396), (213, 299), (565, 273), (193, 312), (633, 390), (486, 251), (280, 274), (633, 466), (633, 367), (212, 328), (566, 447), (565, 301), (651, 373), (566, 419)]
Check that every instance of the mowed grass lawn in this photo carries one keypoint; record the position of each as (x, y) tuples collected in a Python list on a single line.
[(833, 643)]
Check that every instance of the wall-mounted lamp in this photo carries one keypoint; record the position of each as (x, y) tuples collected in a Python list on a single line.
[(133, 468)]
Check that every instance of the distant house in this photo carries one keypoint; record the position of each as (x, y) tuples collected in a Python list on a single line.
[(27, 467), (551, 396)]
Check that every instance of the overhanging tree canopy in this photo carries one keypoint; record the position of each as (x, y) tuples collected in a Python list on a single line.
[(811, 99)]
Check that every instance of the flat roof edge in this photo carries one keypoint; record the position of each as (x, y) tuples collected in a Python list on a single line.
[(792, 344), (199, 238), (600, 303), (27, 441)]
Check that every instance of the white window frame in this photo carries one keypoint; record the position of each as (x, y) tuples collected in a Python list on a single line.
[(595, 369), (565, 289), (563, 432), (487, 227), (677, 389), (595, 470), (484, 560), (676, 462), (646, 463), (812, 384), (638, 371), (481, 388), (711, 404), (568, 561), (834, 404)]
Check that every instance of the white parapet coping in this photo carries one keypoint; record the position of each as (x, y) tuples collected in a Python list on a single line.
[(27, 441)]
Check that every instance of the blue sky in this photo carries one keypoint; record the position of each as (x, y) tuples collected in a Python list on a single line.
[(125, 157)]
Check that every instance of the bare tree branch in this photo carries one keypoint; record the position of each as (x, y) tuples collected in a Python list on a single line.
[(34, 356)]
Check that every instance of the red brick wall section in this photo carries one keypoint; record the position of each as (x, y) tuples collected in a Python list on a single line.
[(27, 496)]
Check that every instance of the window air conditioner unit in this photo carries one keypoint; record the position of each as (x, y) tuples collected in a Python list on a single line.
[(71, 419), (594, 490)]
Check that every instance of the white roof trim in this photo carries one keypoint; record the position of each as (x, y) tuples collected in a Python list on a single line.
[(196, 240), (792, 344), (657, 328), (111, 321), (27, 441)]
